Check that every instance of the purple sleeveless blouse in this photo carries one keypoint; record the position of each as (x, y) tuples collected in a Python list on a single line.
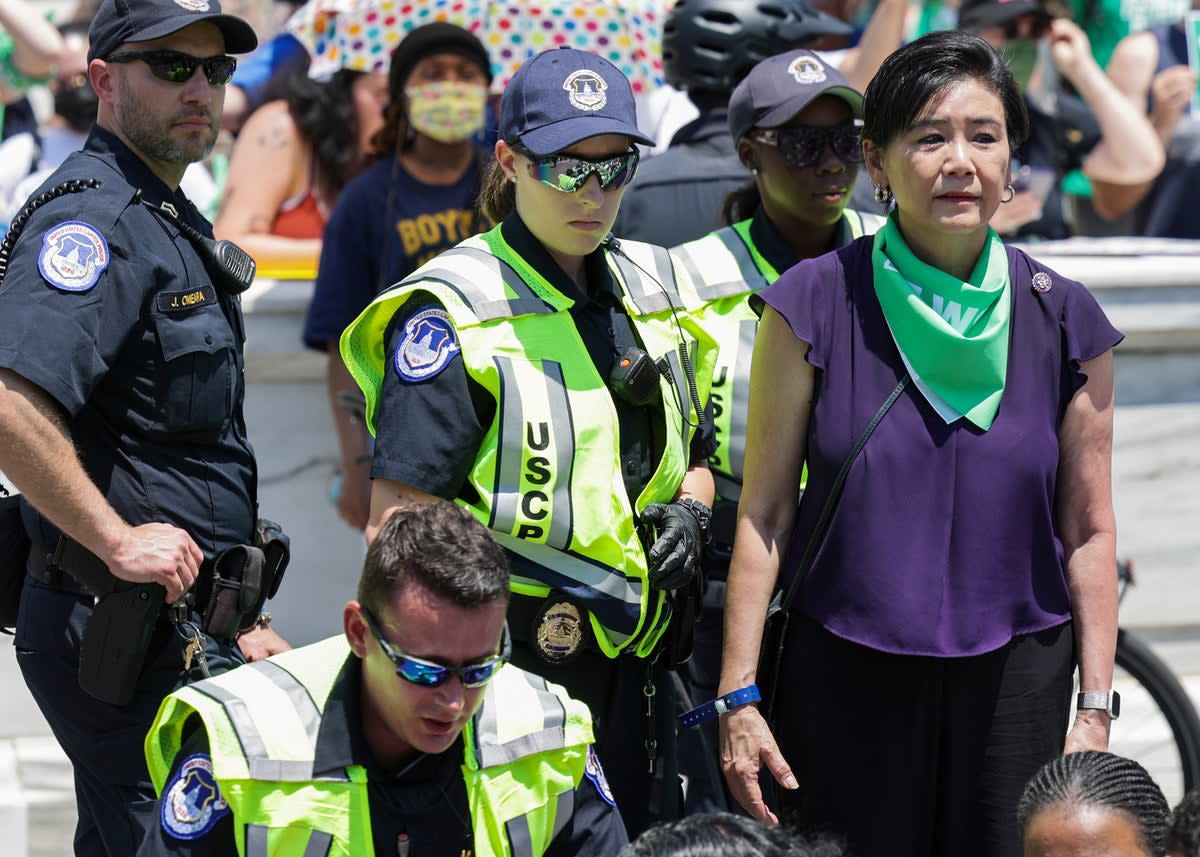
[(944, 542)]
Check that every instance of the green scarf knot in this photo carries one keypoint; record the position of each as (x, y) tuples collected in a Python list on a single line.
[(952, 335)]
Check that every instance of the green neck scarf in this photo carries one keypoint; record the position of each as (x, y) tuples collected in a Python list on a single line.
[(953, 335)]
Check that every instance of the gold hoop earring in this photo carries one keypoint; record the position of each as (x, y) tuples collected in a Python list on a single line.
[(1012, 191)]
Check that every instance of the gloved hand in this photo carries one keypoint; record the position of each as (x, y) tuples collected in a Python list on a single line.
[(675, 555)]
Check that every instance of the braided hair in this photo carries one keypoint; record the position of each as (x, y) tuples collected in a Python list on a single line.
[(723, 834), (1184, 838), (1092, 778)]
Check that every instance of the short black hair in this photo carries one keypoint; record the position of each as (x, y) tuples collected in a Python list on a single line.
[(440, 548), (1105, 780), (723, 834), (1184, 836), (912, 76)]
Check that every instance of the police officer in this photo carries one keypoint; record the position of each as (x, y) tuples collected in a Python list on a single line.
[(121, 392), (552, 381), (709, 46), (408, 736), (794, 120)]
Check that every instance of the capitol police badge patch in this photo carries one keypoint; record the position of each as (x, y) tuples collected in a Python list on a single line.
[(191, 803), (595, 773), (427, 347), (73, 256)]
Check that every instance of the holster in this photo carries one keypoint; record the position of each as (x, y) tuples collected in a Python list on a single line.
[(14, 551), (117, 635), (243, 577)]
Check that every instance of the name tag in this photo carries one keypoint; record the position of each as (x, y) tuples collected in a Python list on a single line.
[(190, 299)]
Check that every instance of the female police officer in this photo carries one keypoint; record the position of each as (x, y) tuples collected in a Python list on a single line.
[(546, 377)]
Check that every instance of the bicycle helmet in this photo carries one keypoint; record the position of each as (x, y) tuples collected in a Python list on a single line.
[(711, 45)]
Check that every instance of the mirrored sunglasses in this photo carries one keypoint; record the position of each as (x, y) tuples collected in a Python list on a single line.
[(428, 674), (804, 145), (569, 173), (176, 67)]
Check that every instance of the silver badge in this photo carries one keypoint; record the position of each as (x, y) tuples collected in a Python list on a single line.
[(1041, 282)]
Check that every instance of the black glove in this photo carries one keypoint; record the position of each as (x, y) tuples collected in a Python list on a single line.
[(675, 555)]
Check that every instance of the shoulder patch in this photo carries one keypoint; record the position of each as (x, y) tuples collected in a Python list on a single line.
[(73, 256), (595, 773), (427, 347), (191, 803)]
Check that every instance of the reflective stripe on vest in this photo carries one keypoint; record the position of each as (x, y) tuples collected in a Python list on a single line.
[(258, 839), (727, 268), (527, 731), (548, 477)]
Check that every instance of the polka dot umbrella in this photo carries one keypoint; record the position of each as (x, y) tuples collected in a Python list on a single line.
[(361, 34)]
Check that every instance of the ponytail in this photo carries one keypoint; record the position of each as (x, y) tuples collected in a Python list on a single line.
[(498, 196), (741, 203)]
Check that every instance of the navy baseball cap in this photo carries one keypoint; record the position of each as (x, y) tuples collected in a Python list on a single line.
[(120, 21), (781, 86), (562, 96)]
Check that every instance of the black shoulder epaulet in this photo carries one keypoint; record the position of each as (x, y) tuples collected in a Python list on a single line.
[(18, 222)]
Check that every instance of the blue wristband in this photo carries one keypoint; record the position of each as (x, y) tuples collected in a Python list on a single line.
[(716, 707)]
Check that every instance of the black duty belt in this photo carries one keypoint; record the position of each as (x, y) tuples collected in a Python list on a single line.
[(40, 566)]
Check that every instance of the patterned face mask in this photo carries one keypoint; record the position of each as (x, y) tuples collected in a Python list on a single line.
[(447, 111)]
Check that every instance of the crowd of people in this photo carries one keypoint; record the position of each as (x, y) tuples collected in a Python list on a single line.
[(749, 452)]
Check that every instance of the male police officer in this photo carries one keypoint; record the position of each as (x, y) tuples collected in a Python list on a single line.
[(121, 405), (409, 735)]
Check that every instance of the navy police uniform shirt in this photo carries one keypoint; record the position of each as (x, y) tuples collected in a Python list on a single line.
[(428, 432), (385, 225), (110, 310), (423, 804)]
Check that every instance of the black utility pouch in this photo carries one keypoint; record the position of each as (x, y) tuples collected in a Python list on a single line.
[(237, 592), (270, 538), (14, 552)]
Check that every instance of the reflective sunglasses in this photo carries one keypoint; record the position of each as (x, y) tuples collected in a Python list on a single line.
[(428, 674), (569, 173), (176, 67), (804, 145)]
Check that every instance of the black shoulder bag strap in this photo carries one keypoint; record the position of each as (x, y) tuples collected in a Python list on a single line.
[(777, 611)]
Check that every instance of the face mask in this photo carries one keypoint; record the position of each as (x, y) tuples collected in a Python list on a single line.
[(448, 112), (77, 106), (1022, 56)]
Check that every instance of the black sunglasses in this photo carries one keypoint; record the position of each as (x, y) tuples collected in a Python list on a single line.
[(428, 674), (176, 67), (804, 145), (569, 173), (1037, 27)]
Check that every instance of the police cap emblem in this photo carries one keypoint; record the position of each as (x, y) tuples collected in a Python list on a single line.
[(427, 347), (191, 803), (74, 255), (807, 70), (193, 5), (558, 631), (586, 90)]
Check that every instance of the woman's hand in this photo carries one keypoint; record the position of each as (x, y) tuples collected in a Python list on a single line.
[(1088, 732), (746, 745)]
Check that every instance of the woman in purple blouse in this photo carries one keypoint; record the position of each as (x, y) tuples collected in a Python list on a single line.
[(969, 566)]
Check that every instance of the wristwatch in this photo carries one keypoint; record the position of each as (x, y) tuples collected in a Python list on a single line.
[(1104, 700), (702, 513)]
